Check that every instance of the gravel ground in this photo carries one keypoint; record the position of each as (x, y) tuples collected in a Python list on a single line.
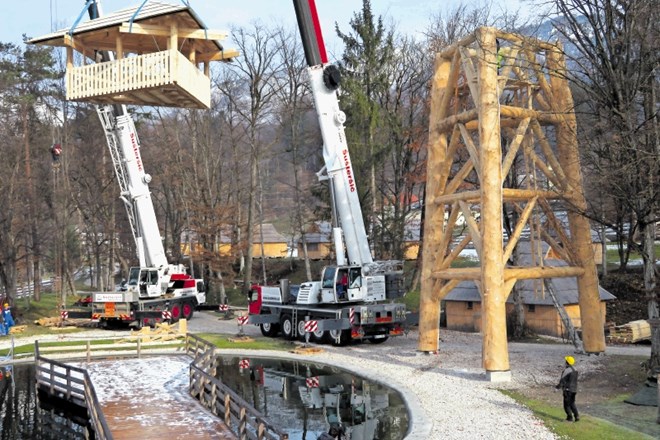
[(447, 393)]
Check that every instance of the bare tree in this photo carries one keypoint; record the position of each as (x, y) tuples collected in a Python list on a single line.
[(256, 71), (616, 66), (292, 113)]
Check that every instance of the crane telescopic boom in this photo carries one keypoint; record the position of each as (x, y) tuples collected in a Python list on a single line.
[(324, 81)]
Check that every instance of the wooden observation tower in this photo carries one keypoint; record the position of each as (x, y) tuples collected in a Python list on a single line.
[(502, 139), (161, 57)]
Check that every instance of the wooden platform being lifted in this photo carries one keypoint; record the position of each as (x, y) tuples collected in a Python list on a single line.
[(162, 54)]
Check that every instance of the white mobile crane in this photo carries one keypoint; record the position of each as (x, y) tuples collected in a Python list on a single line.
[(350, 300), (156, 290)]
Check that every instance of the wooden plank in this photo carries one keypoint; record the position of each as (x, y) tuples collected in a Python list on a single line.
[(164, 31)]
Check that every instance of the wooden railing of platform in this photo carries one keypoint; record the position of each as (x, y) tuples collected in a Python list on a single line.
[(73, 385), (126, 77), (238, 415)]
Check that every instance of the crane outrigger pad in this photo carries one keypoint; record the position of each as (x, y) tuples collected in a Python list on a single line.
[(161, 57)]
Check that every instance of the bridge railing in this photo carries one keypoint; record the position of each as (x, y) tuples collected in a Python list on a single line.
[(74, 385), (239, 416)]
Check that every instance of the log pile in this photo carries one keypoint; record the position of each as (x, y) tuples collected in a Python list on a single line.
[(631, 332)]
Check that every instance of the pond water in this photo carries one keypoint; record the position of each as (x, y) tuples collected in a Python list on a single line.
[(304, 399), (26, 415), (307, 399)]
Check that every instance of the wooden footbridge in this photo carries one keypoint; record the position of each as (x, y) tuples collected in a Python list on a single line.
[(149, 397)]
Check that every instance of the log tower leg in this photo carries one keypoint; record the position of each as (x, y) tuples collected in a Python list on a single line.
[(589, 298), (495, 349)]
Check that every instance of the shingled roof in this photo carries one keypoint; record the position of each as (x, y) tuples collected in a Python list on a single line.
[(532, 291), (146, 13)]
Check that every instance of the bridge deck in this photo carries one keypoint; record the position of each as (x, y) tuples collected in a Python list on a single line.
[(148, 398)]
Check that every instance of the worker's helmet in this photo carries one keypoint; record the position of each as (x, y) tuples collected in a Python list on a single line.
[(569, 360), (6, 305)]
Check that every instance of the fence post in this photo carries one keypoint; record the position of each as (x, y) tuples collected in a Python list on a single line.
[(139, 347), (214, 398), (89, 347), (242, 425), (228, 410)]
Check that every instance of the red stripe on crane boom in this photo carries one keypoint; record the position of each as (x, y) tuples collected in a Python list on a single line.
[(317, 31)]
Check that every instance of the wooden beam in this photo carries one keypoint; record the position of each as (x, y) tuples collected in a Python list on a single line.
[(529, 151), (446, 165), (521, 113), (448, 90), (508, 250), (451, 50), (515, 145), (223, 55), (448, 230), (472, 149), (459, 177), (119, 52), (472, 226), (455, 252), (429, 307), (173, 38), (524, 41), (164, 31), (70, 42), (468, 196), (69, 57), (470, 72), (448, 123), (530, 273), (445, 289), (549, 154), (459, 273), (495, 351)]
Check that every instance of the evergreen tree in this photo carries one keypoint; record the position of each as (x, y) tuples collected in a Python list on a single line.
[(369, 49)]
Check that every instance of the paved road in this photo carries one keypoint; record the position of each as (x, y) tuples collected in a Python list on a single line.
[(215, 322)]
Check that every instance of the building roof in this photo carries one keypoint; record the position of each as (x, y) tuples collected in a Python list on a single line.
[(270, 234), (151, 10)]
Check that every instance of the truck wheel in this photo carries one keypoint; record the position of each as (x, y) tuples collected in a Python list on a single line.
[(340, 337), (320, 337), (286, 324), (176, 313), (301, 330), (188, 311), (269, 330)]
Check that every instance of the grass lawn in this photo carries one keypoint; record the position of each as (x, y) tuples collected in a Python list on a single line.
[(588, 428)]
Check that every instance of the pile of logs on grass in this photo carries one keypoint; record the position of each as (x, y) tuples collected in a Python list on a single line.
[(632, 332)]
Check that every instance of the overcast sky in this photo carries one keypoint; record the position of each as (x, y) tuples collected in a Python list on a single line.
[(39, 17)]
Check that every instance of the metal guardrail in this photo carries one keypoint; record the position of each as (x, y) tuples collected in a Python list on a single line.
[(239, 416), (74, 385)]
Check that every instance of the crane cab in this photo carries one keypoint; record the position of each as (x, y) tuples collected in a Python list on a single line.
[(144, 281), (350, 284)]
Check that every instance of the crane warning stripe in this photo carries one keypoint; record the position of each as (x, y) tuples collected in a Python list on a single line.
[(242, 320), (312, 382), (311, 326)]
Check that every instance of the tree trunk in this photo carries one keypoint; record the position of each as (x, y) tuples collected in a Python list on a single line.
[(648, 255), (247, 275)]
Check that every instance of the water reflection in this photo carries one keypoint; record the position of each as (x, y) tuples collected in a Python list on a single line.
[(27, 414), (308, 400)]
